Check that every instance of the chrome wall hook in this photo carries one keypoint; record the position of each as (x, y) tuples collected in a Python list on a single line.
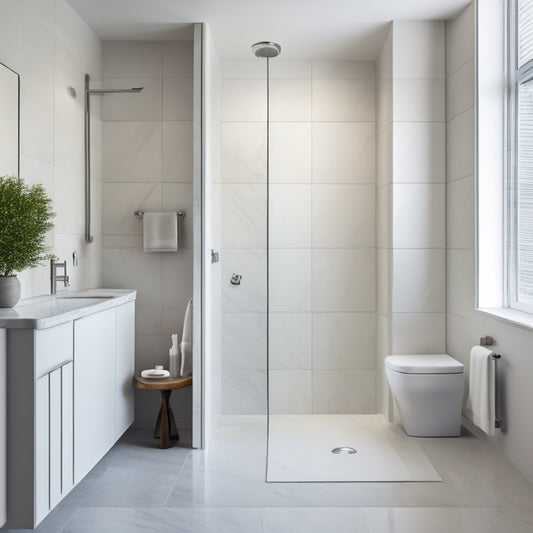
[(236, 279)]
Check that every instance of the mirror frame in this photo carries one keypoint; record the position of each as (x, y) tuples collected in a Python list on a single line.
[(18, 115)]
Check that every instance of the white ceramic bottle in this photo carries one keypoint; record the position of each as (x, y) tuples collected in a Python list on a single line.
[(173, 357)]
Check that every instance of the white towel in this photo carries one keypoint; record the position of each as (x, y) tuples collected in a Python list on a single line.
[(160, 232), (186, 342), (481, 396)]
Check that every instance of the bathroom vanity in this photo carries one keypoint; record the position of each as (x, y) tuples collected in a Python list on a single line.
[(70, 362)]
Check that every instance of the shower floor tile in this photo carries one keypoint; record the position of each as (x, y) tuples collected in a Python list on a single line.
[(299, 450)]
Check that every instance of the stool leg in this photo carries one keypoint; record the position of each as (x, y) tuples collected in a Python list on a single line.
[(165, 427)]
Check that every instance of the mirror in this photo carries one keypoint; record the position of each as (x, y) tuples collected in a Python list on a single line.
[(9, 122)]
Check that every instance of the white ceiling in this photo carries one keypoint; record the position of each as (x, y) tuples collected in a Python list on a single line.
[(305, 29)]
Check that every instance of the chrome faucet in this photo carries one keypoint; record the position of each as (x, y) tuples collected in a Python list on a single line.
[(54, 278)]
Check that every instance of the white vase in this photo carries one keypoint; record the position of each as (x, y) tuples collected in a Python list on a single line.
[(9, 291)]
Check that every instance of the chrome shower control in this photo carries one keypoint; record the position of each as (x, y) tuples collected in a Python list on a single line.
[(236, 279)]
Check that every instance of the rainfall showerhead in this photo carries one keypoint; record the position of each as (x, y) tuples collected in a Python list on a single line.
[(266, 49)]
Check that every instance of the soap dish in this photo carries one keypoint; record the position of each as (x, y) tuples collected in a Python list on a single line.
[(155, 373)]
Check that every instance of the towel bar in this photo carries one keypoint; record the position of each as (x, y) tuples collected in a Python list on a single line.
[(181, 216), (498, 422)]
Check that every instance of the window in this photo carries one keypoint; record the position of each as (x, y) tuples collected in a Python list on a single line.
[(519, 186)]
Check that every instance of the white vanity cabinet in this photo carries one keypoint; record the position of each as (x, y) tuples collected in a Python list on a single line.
[(69, 398)]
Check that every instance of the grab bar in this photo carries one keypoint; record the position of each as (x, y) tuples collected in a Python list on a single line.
[(498, 422)]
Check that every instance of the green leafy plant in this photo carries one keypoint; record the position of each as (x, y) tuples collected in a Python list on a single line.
[(25, 218)]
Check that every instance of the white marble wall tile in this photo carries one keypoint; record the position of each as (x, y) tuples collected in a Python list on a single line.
[(290, 100), (177, 99), (384, 160), (177, 143), (130, 59), (419, 152), (290, 341), (290, 392), (147, 320), (248, 69), (461, 283), (418, 49), (69, 201), (460, 91), (69, 150), (343, 391), (460, 39), (243, 100), (176, 278), (132, 151), (250, 295), (343, 100), (344, 341), (343, 152), (384, 217), (419, 100), (289, 69), (177, 59), (344, 280), (244, 216), (244, 152), (384, 281), (290, 152), (290, 216), (462, 335), (143, 273), (344, 216), (290, 280), (145, 105), (460, 213), (419, 216), (418, 333), (344, 69), (243, 392), (460, 145), (121, 200), (419, 281), (179, 197), (37, 128), (244, 338)]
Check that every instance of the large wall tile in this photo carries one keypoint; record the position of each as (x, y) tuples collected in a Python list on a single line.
[(290, 280), (343, 152), (244, 216), (344, 280), (132, 151), (177, 99), (145, 105), (176, 278), (419, 152), (290, 392), (384, 282), (244, 338), (418, 333), (178, 59), (344, 341), (384, 160), (418, 100), (130, 59), (69, 202), (290, 100), (460, 39), (343, 100), (179, 197), (290, 216), (460, 90), (345, 391), (244, 392), (460, 213), (243, 100), (460, 145), (384, 217), (419, 281), (344, 69), (290, 152), (461, 283), (177, 151), (419, 216), (344, 216), (244, 152), (290, 341)]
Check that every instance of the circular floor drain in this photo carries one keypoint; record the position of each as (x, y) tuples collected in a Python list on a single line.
[(343, 450)]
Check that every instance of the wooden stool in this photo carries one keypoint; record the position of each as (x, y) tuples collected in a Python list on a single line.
[(165, 427)]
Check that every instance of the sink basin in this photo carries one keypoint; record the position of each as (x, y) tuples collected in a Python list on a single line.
[(69, 303), (93, 297)]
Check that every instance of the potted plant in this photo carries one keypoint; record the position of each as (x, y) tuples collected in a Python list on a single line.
[(25, 218)]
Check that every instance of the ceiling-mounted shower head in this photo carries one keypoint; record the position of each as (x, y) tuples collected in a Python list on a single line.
[(266, 49)]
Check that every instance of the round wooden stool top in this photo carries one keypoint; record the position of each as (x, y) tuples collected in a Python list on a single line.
[(161, 383)]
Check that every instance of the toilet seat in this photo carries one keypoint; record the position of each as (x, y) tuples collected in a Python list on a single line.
[(424, 364)]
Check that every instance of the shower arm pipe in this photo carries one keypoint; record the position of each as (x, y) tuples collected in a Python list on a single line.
[(88, 237)]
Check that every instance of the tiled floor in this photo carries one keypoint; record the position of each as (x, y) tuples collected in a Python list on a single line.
[(140, 488), (299, 449)]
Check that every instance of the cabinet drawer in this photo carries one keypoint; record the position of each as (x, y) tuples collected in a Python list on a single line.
[(53, 347)]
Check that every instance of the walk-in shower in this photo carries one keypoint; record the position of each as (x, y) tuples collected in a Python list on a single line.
[(88, 93)]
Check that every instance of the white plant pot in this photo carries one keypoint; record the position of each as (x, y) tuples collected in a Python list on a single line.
[(9, 291)]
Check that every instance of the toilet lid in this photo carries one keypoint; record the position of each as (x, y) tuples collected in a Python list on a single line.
[(440, 363)]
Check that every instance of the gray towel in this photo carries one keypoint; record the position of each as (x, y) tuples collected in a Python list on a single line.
[(160, 232)]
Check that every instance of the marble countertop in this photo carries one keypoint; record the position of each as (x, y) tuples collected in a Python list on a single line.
[(46, 311)]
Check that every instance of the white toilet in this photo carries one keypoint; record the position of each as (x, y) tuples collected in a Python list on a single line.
[(428, 390)]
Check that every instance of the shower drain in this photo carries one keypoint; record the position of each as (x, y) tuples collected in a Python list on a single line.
[(344, 450)]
